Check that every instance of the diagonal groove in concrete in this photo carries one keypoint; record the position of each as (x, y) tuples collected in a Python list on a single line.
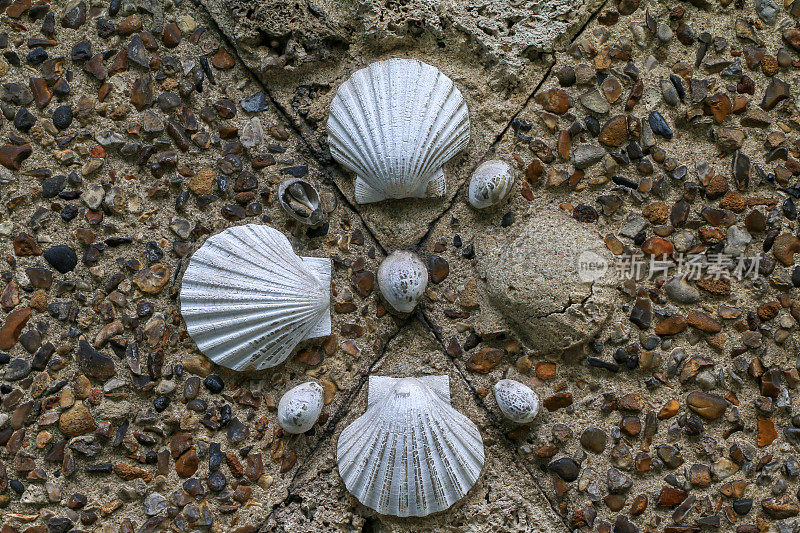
[(329, 168), (330, 427), (498, 139), (423, 318), (324, 162)]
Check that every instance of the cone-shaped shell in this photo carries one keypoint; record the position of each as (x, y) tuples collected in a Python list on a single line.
[(490, 183), (300, 407), (411, 453), (248, 300), (402, 278), (516, 401), (395, 123)]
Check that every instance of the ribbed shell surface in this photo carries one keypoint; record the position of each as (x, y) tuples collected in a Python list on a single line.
[(411, 453), (395, 123), (248, 299)]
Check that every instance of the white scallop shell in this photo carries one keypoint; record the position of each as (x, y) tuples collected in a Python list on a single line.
[(248, 300), (411, 453), (395, 123), (402, 278), (516, 401), (300, 407), (490, 183)]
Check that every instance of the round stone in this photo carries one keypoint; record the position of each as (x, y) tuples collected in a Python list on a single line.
[(62, 258), (552, 280), (62, 117), (214, 383)]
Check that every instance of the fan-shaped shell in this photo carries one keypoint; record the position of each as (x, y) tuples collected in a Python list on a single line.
[(490, 183), (395, 123), (248, 300), (411, 453), (300, 407), (516, 401), (402, 278)]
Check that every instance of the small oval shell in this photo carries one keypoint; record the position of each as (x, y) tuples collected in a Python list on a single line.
[(490, 183), (402, 279), (516, 401), (300, 407), (395, 124), (248, 299), (300, 200), (411, 453)]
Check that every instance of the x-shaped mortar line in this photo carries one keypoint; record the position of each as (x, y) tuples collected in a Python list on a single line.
[(330, 168)]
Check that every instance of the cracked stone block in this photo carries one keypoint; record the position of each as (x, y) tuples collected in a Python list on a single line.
[(535, 279), (505, 497)]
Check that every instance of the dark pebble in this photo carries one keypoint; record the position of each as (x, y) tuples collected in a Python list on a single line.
[(216, 481), (52, 185), (507, 220), (742, 506), (62, 258), (796, 276), (24, 120), (17, 486), (566, 468), (82, 51), (214, 383), (659, 125), (161, 403), (255, 103), (59, 525), (62, 117), (599, 363), (36, 56)]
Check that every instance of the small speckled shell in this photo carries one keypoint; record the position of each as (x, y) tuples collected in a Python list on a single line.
[(395, 123), (491, 182), (304, 207), (300, 407), (402, 278), (411, 453), (248, 299), (516, 401)]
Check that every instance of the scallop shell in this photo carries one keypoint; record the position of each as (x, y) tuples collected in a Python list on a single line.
[(248, 300), (490, 183), (300, 407), (411, 453), (516, 401), (395, 123), (402, 278)]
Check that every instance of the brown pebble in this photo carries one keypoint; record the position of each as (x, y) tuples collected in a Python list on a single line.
[(152, 279), (670, 326), (75, 421), (13, 326), (171, 36), (671, 497), (12, 155), (484, 360), (222, 59), (703, 322), (615, 131), (709, 406), (554, 100), (438, 268), (557, 401), (784, 248), (186, 465)]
